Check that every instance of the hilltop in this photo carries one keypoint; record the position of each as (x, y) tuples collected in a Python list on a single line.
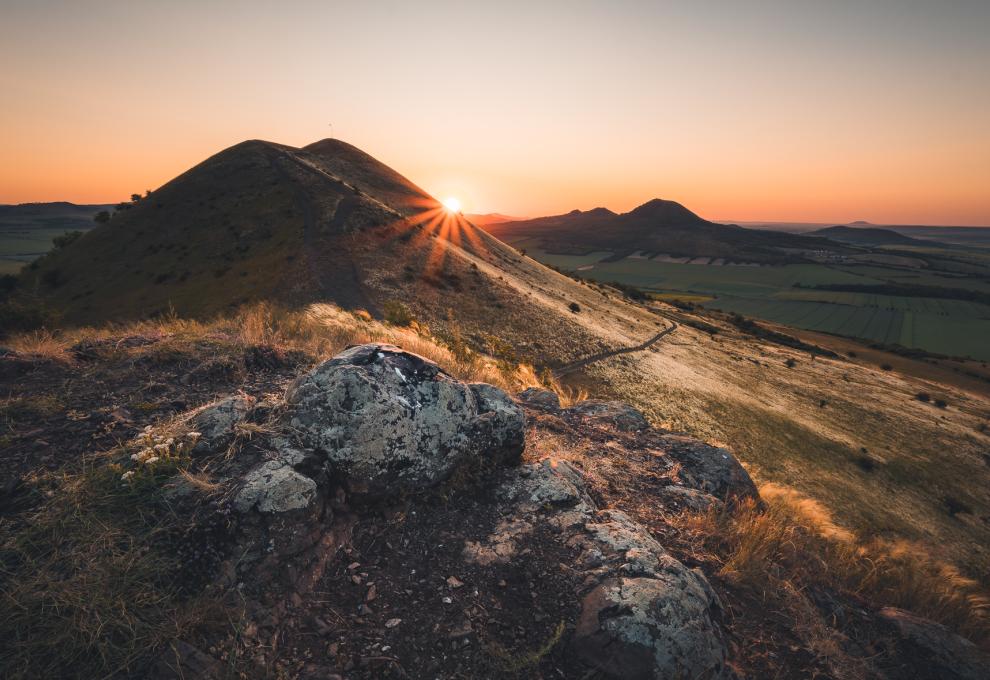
[(658, 227)]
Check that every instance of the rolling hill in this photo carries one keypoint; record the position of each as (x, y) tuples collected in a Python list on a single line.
[(656, 227), (868, 236)]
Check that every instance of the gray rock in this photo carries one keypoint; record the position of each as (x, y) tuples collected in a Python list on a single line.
[(274, 487), (619, 415), (710, 469), (545, 399), (216, 422), (643, 614), (547, 483), (650, 629), (946, 655), (389, 421), (690, 499)]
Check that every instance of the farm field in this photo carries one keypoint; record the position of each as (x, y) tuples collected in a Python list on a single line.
[(943, 326), (953, 335)]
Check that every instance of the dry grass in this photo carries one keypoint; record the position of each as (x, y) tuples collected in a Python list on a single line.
[(320, 331), (794, 545), (89, 588), (41, 344)]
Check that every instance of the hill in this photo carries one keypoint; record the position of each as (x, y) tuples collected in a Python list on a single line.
[(654, 228), (869, 236), (265, 221)]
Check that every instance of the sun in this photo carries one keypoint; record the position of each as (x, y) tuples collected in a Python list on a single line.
[(452, 204)]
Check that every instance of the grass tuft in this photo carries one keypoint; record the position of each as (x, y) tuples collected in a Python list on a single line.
[(794, 545)]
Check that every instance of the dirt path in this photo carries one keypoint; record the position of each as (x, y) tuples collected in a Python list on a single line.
[(581, 363)]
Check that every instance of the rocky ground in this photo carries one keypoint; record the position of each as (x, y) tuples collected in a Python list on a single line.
[(375, 517)]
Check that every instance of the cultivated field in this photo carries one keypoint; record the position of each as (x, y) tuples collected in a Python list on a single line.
[(790, 294)]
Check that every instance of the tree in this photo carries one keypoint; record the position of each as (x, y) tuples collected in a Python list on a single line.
[(102, 217), (66, 239), (135, 198)]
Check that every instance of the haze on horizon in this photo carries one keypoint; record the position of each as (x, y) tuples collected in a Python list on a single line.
[(772, 110)]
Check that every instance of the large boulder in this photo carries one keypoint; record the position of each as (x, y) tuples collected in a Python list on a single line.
[(388, 421), (708, 468)]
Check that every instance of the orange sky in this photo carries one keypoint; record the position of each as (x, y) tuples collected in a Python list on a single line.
[(773, 110)]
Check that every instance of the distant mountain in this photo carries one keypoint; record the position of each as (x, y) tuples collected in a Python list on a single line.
[(483, 220), (868, 236), (656, 227), (56, 215)]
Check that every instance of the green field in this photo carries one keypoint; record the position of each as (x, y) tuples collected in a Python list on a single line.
[(944, 326)]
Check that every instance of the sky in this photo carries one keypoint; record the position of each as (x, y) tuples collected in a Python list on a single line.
[(777, 110)]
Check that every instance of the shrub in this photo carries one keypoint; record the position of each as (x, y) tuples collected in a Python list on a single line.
[(397, 313), (102, 217), (955, 506), (866, 463), (574, 307), (66, 239), (790, 363), (940, 403), (886, 367), (923, 396)]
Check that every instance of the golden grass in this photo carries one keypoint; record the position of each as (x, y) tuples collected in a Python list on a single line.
[(41, 344), (319, 330), (795, 544)]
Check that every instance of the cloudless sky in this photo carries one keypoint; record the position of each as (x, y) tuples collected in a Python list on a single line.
[(761, 110)]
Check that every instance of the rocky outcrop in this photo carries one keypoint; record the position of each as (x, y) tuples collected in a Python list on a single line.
[(617, 414), (389, 422), (376, 423), (643, 613)]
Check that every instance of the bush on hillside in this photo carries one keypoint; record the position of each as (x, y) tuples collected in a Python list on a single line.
[(397, 313)]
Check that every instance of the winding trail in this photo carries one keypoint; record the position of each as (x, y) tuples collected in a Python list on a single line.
[(581, 363)]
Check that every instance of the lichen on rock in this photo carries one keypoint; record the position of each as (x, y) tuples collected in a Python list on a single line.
[(390, 422)]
